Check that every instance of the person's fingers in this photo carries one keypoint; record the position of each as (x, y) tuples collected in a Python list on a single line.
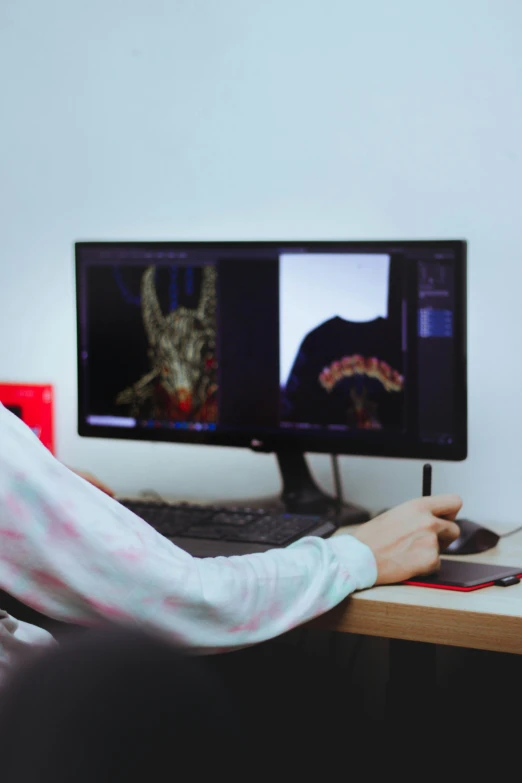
[(94, 481), (431, 566), (104, 488), (447, 506), (446, 530)]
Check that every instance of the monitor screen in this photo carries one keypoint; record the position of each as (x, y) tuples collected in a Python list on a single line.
[(339, 347)]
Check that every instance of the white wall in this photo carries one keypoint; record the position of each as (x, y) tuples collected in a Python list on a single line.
[(202, 119)]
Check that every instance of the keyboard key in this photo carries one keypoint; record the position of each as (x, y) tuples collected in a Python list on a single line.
[(225, 518)]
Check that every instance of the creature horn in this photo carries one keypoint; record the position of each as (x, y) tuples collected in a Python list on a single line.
[(153, 319), (207, 302)]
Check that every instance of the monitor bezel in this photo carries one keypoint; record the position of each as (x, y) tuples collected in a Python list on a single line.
[(302, 441)]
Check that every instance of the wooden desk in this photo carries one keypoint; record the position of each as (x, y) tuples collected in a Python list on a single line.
[(486, 619)]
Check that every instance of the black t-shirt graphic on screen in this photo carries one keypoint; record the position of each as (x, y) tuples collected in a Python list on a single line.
[(347, 373)]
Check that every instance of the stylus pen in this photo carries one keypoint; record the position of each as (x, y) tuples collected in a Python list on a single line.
[(426, 480)]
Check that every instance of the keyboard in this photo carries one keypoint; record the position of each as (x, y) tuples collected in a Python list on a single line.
[(250, 526)]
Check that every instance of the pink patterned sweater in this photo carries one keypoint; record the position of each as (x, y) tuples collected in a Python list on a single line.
[(76, 555)]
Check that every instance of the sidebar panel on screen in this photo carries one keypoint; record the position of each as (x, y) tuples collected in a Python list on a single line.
[(435, 333)]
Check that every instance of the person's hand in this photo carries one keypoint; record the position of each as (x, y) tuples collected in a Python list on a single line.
[(94, 481), (407, 540)]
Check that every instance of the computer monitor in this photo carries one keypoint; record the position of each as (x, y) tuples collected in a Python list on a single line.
[(283, 346)]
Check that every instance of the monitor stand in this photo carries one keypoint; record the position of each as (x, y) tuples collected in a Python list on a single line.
[(301, 495)]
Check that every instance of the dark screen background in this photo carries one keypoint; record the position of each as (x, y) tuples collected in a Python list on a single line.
[(248, 336), (248, 342)]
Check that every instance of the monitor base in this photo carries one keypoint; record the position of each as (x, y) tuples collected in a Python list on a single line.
[(301, 495)]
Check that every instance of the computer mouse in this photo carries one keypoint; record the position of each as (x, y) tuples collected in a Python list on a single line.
[(473, 538)]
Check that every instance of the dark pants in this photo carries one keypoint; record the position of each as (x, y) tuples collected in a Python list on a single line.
[(116, 705)]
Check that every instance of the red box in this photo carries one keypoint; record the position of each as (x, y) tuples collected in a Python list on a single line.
[(34, 404)]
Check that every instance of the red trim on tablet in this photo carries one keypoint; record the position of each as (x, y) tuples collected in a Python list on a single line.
[(452, 587)]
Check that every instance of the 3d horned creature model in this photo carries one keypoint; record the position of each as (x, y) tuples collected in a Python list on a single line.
[(181, 384)]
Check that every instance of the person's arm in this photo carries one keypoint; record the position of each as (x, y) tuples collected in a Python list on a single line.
[(74, 554)]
